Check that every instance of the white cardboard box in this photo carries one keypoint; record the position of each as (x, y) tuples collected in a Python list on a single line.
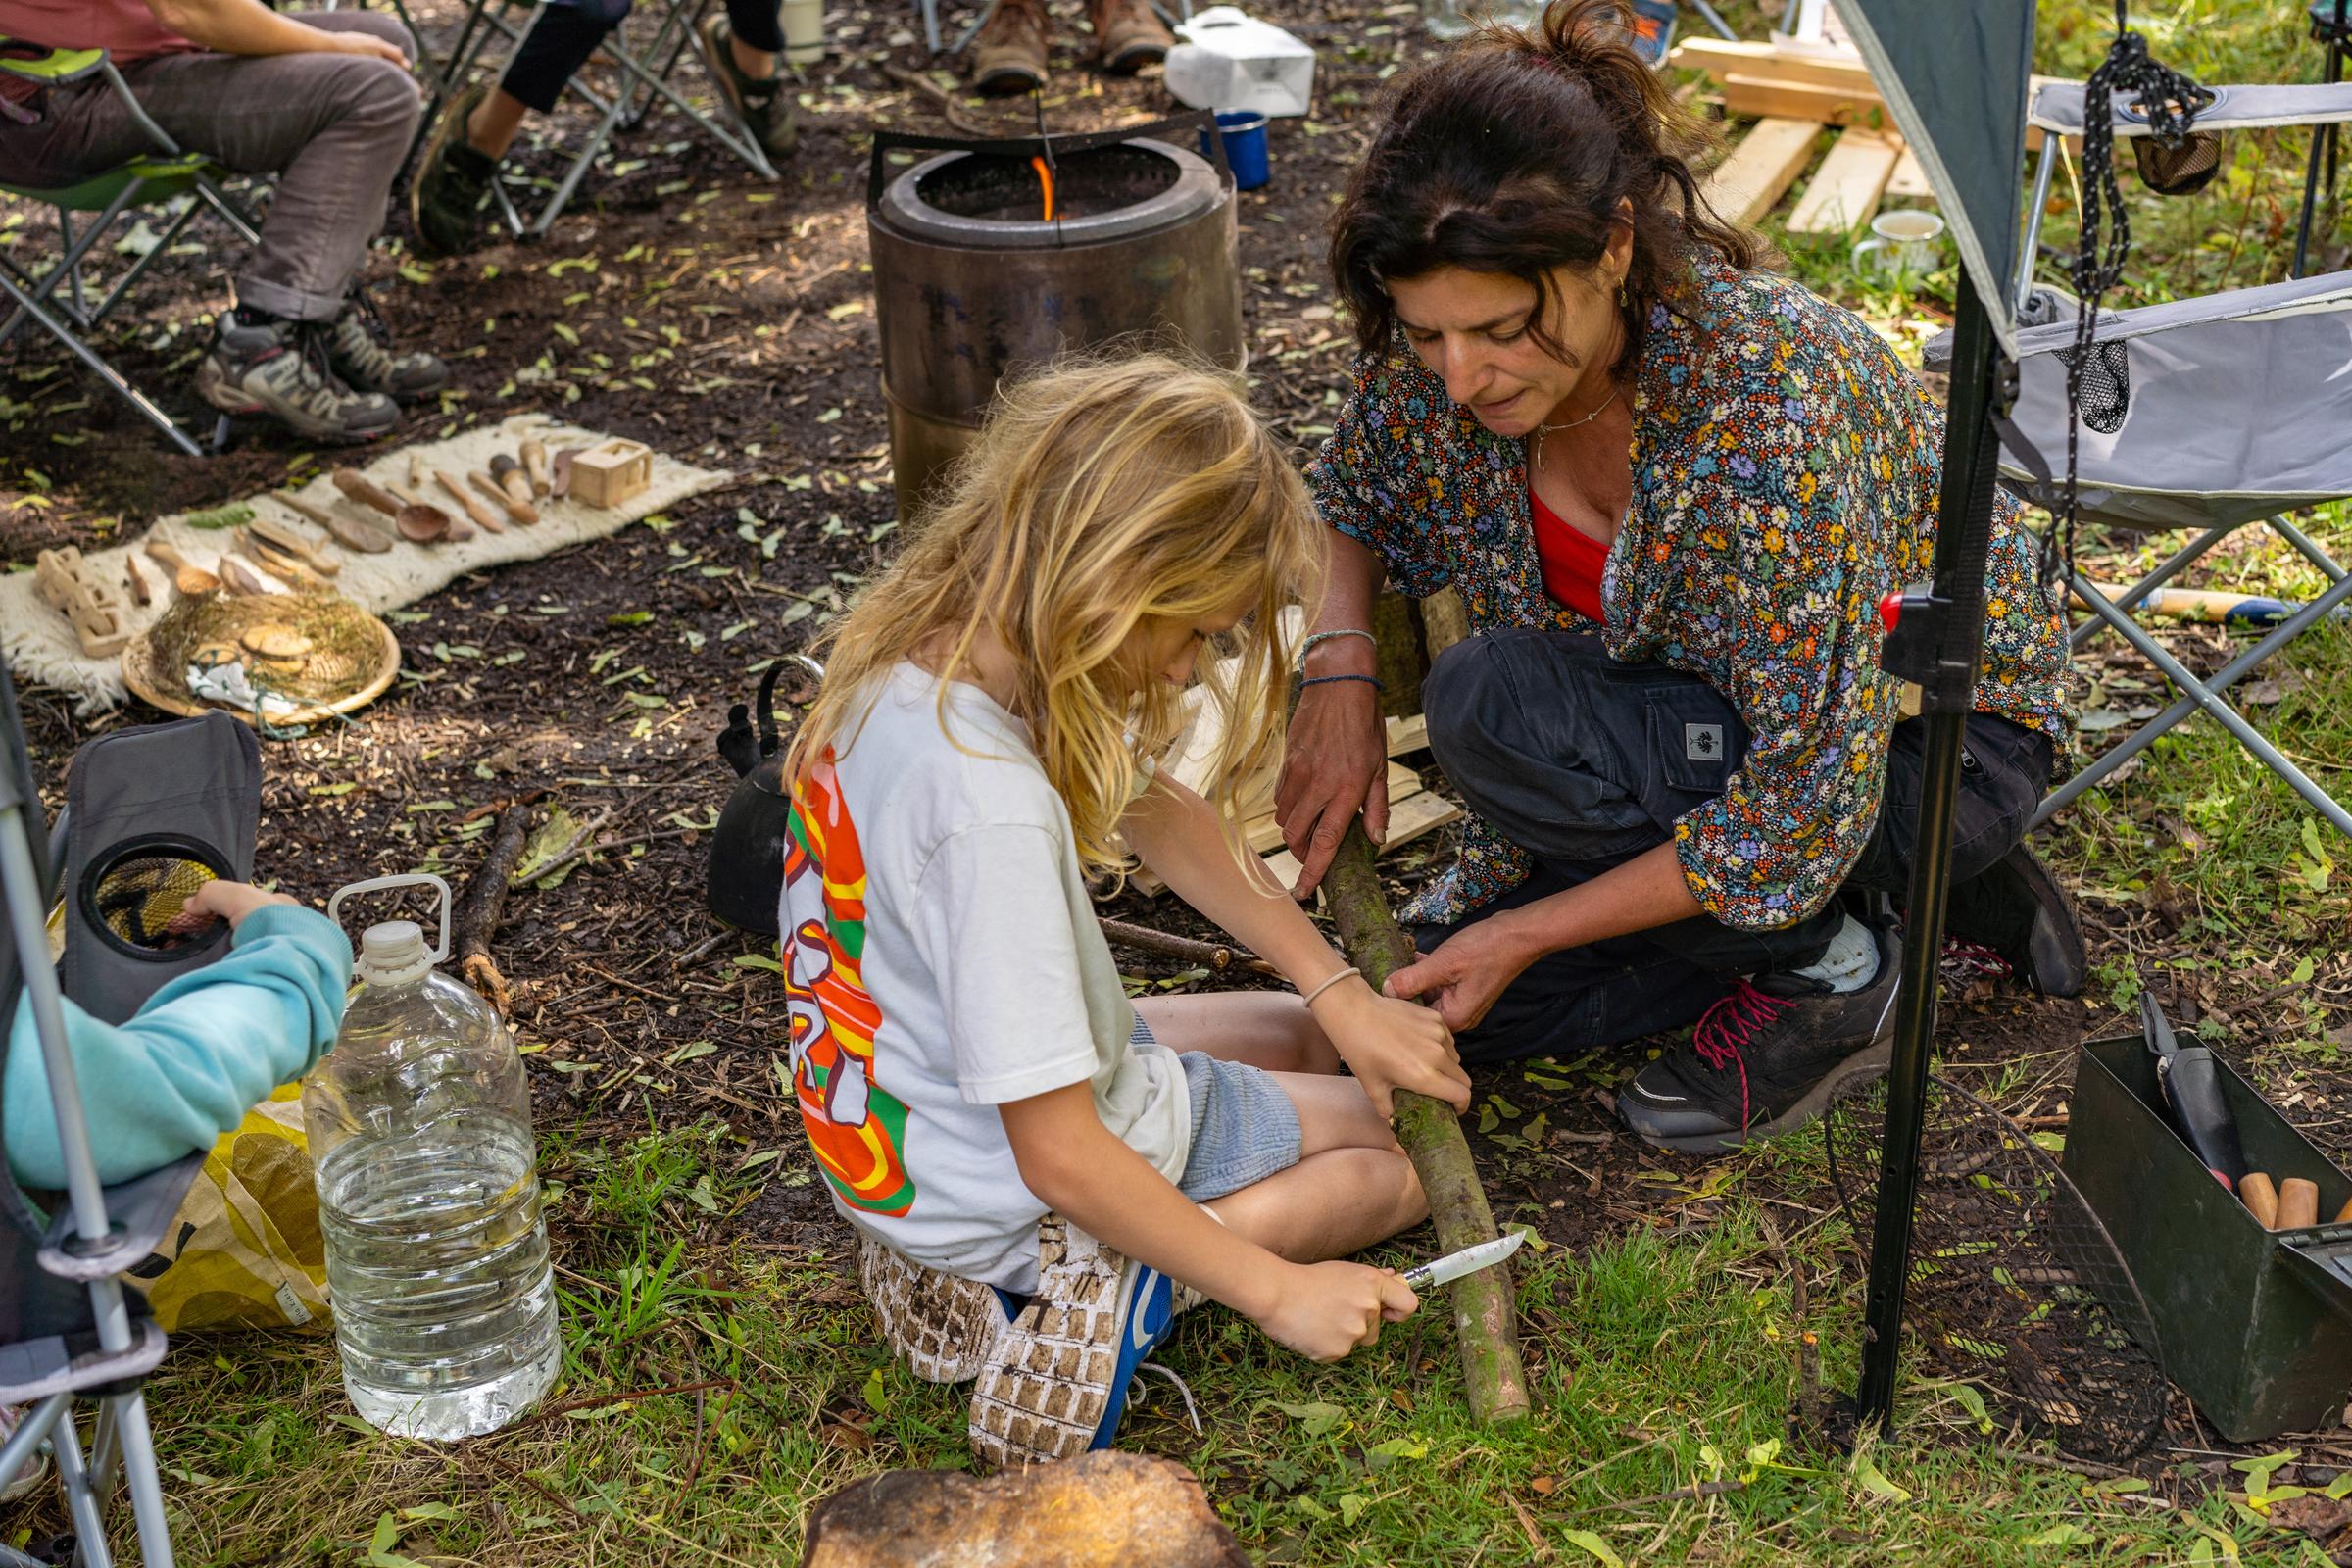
[(1231, 59)]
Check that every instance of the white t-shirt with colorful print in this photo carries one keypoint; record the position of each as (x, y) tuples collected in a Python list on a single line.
[(942, 958)]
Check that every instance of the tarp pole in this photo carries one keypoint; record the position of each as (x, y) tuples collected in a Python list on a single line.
[(1963, 546)]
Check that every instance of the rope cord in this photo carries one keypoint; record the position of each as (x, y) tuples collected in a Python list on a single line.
[(2171, 102)]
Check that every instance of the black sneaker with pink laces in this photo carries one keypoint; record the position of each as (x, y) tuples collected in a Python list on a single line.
[(1766, 1059)]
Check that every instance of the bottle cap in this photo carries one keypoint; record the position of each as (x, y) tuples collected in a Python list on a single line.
[(392, 953)]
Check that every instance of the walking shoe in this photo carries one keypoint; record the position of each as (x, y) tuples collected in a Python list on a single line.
[(941, 1326), (282, 368), (358, 349), (766, 109), (1128, 34), (1010, 55), (1056, 1382), (1766, 1059), (2017, 908), (452, 189)]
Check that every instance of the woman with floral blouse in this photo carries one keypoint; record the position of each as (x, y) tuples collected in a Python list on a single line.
[(1671, 490)]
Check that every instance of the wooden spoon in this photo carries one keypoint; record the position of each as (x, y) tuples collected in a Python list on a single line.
[(239, 578), (521, 512), (465, 498), (187, 576), (422, 525)]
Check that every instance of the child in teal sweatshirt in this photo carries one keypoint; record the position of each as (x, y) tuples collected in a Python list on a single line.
[(203, 1051)]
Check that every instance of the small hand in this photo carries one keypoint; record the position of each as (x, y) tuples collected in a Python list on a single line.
[(366, 45), (1392, 1045), (223, 900), (1326, 1310), (1465, 975)]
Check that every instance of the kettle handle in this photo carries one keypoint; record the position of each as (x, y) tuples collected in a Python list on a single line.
[(441, 953), (765, 707)]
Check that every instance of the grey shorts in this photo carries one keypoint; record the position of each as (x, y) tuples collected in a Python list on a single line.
[(1245, 1128)]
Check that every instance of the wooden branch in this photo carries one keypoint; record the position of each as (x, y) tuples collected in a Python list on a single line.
[(1484, 1318), (484, 901), (1213, 954), (949, 108)]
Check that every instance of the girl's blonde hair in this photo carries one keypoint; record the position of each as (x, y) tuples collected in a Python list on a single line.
[(1102, 495)]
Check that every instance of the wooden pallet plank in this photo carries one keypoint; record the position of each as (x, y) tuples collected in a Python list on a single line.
[(1791, 100), (1844, 190), (1408, 734), (1744, 185), (1408, 820), (1823, 68), (1909, 181)]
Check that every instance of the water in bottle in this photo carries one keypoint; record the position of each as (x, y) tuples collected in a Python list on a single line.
[(428, 1196)]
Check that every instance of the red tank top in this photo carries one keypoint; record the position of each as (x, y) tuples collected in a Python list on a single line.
[(1572, 560)]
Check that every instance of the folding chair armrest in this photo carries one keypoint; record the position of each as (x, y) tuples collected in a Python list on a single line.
[(138, 114), (2059, 107), (140, 1210), (50, 69)]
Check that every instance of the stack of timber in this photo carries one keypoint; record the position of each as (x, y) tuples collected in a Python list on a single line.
[(1798, 91)]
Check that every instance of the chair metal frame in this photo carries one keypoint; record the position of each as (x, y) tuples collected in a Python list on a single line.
[(2197, 695), (102, 1233), (68, 320), (645, 82), (2330, 25)]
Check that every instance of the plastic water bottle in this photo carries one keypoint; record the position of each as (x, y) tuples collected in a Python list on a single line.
[(429, 1195)]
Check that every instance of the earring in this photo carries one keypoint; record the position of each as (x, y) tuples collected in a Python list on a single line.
[(1625, 299)]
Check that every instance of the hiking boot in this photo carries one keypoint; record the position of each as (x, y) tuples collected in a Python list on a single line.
[(1766, 1059), (448, 197), (1128, 34), (282, 368), (2017, 910), (1055, 1381), (1010, 55), (766, 109), (359, 351)]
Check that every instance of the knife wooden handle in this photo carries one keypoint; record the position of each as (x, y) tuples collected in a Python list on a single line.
[(366, 491), (534, 462), (2260, 1197), (2344, 1213), (2298, 1203), (521, 512)]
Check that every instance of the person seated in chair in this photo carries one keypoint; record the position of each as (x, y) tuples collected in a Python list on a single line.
[(324, 101), (744, 50)]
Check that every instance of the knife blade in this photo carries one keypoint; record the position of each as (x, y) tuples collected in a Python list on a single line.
[(1469, 1260)]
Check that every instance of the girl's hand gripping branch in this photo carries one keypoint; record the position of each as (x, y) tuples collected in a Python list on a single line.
[(1392, 1045)]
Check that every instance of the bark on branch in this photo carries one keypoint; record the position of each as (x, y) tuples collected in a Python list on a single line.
[(484, 902), (1484, 1318)]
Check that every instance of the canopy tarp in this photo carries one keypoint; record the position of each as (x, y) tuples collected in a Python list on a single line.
[(1954, 74)]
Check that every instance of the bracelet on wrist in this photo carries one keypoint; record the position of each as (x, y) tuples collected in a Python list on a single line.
[(1374, 681), (1318, 639), (1308, 997)]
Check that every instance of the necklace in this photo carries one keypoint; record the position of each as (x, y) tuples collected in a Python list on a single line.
[(1542, 430)]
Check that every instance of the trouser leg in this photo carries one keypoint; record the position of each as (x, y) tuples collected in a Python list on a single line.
[(756, 25), (1585, 763), (332, 127), (561, 38)]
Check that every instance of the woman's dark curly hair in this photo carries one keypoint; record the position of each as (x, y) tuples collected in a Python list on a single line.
[(1516, 153)]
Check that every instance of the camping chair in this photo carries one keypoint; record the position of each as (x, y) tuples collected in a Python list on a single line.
[(143, 182), (2211, 414), (68, 1327), (645, 79)]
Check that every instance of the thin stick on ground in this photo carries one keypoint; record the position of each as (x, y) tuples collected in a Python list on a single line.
[(1484, 1317), (484, 902), (1214, 956)]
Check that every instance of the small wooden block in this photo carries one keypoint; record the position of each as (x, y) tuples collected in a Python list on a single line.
[(611, 473), (1909, 181), (93, 609), (1844, 189), (1409, 734), (1744, 185)]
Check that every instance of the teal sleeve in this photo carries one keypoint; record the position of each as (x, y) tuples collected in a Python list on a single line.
[(187, 1066)]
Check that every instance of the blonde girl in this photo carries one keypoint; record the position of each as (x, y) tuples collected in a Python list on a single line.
[(1041, 1173)]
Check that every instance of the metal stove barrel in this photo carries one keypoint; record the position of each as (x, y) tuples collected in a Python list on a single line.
[(970, 286)]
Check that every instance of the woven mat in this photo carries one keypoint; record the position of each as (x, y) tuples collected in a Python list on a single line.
[(41, 646)]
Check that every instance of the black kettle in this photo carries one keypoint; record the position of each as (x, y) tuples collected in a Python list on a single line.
[(747, 849)]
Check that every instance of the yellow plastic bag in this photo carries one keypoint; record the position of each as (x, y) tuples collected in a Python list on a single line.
[(244, 1250)]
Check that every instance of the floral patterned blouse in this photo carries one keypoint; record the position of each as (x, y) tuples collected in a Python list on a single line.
[(1786, 469)]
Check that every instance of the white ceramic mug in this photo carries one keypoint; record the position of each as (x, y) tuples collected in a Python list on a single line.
[(1911, 236)]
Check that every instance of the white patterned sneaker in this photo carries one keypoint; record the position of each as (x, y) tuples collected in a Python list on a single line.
[(941, 1326)]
